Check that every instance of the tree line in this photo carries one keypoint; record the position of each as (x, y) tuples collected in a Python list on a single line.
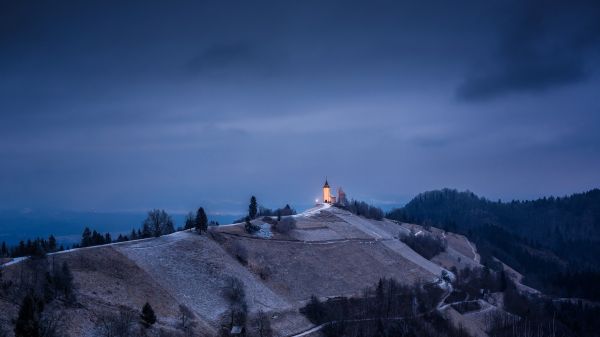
[(553, 242), (35, 247), (389, 308), (426, 245), (157, 223), (362, 208), (37, 289)]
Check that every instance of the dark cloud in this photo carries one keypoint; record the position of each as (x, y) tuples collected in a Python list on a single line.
[(545, 45), (131, 105)]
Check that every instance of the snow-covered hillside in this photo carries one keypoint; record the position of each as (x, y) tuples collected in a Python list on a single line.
[(331, 252)]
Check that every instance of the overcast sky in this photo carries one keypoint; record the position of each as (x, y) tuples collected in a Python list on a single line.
[(124, 105)]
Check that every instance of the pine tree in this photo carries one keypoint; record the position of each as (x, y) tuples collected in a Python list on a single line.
[(3, 250), (148, 317), (51, 243), (201, 220), (86, 238), (37, 250), (250, 228), (189, 221), (253, 208), (27, 323), (22, 250)]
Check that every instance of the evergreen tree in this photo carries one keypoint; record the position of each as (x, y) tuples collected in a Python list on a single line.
[(250, 228), (133, 235), (148, 317), (27, 323), (51, 243), (3, 250), (97, 239), (201, 220), (21, 251), (86, 238), (253, 208), (37, 249), (190, 222)]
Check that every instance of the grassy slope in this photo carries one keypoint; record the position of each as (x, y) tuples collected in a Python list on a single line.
[(185, 268)]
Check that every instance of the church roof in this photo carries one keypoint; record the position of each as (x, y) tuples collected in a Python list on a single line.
[(326, 183)]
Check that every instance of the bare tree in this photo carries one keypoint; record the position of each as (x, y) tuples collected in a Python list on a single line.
[(186, 317), (235, 294), (234, 290), (240, 252), (261, 325), (51, 324), (119, 324), (285, 225), (261, 267), (158, 223)]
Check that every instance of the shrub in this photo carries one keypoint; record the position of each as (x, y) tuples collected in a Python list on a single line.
[(285, 225), (240, 252), (426, 245), (261, 325), (217, 236), (112, 324), (250, 227), (261, 268), (234, 290), (315, 311), (363, 209)]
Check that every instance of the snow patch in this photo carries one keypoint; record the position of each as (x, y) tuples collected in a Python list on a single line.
[(264, 231), (15, 261)]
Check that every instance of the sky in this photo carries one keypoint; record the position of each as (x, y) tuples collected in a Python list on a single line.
[(132, 105)]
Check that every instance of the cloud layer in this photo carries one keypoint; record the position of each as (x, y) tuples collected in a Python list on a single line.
[(115, 106)]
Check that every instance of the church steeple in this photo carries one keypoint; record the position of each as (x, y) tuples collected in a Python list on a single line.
[(326, 192)]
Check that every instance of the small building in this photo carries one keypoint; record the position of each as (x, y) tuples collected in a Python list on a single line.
[(328, 198)]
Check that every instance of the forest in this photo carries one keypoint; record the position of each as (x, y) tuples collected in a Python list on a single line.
[(554, 242)]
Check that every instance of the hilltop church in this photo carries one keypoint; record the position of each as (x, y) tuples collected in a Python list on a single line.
[(328, 198)]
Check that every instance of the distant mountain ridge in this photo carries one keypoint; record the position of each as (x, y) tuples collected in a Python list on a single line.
[(551, 240), (574, 217)]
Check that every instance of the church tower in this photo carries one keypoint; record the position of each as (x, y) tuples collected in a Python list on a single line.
[(326, 193)]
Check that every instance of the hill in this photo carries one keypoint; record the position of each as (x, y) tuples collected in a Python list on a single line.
[(552, 241), (330, 253)]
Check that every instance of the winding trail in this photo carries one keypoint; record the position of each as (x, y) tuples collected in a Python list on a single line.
[(476, 256)]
